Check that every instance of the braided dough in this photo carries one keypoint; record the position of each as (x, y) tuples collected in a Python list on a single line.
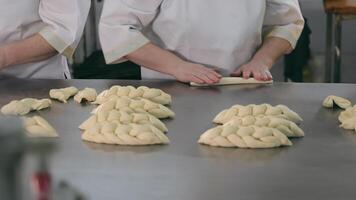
[(332, 100), (348, 118), (87, 94), (24, 106), (280, 111), (63, 94), (155, 95), (124, 134), (244, 137), (288, 128), (135, 105), (233, 81), (38, 127), (123, 118)]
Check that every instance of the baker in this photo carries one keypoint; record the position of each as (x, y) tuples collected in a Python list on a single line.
[(36, 36), (199, 40)]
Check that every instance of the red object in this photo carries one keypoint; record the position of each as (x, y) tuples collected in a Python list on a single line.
[(41, 183)]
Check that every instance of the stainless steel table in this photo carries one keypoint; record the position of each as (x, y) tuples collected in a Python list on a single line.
[(320, 166)]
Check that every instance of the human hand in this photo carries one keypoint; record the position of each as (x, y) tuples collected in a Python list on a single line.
[(197, 73), (255, 68)]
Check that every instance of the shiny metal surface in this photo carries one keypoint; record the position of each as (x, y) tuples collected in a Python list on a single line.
[(320, 166)]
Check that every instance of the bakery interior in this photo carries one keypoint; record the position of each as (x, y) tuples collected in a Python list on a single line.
[(109, 129)]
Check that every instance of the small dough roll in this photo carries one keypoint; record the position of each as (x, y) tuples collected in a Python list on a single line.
[(87, 94), (280, 111), (63, 94), (24, 106), (331, 101), (38, 127), (152, 94), (347, 118), (135, 105), (124, 134), (244, 137), (288, 128), (123, 118)]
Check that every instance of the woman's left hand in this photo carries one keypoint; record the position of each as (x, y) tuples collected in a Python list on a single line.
[(255, 68)]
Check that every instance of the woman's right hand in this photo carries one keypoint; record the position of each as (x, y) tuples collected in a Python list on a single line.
[(197, 73)]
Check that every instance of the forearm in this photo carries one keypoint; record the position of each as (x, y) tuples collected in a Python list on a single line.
[(155, 58), (32, 49), (271, 50)]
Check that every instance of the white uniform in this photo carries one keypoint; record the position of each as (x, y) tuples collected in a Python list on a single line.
[(216, 33), (60, 22)]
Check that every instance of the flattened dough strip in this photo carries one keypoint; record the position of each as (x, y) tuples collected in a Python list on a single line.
[(233, 81)]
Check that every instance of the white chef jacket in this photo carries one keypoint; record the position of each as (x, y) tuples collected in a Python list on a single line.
[(59, 22), (217, 33)]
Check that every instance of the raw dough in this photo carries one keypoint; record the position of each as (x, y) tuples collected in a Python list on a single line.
[(63, 94), (153, 94), (24, 106), (244, 137), (88, 94), (38, 127), (123, 118), (125, 134), (332, 100), (348, 118), (233, 81), (288, 128), (280, 111), (135, 105)]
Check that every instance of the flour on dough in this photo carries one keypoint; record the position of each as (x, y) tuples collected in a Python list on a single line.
[(24, 106), (124, 134), (152, 94), (38, 127), (87, 94), (331, 101), (244, 137), (63, 94)]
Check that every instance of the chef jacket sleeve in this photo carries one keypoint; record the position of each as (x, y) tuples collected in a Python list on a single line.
[(283, 19), (65, 21), (121, 24)]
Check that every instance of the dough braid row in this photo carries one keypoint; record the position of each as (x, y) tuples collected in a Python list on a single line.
[(280, 111), (244, 137), (38, 127), (24, 106), (135, 105), (123, 118), (348, 118), (152, 94), (63, 94), (288, 128), (125, 134)]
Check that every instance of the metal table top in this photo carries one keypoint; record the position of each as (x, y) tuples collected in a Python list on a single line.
[(320, 166)]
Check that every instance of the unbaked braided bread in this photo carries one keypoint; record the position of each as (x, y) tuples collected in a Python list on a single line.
[(124, 134), (24, 106), (348, 118), (280, 111), (63, 94), (152, 94), (244, 137), (123, 118), (38, 127)]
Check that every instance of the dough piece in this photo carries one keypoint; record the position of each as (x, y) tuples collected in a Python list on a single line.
[(280, 111), (288, 128), (348, 118), (152, 94), (233, 81), (88, 94), (124, 134), (244, 137), (24, 106), (123, 118), (38, 127), (135, 105), (332, 100), (63, 94)]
